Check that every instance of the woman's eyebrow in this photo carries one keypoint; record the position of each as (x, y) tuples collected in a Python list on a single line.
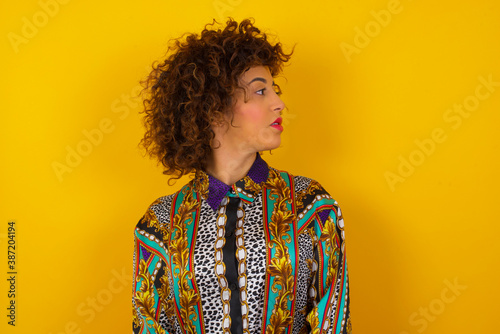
[(258, 79)]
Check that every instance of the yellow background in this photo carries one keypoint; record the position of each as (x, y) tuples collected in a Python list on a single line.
[(351, 118)]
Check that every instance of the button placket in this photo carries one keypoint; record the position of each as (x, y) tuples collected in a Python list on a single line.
[(231, 263)]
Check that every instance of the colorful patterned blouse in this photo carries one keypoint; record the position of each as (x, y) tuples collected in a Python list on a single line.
[(265, 255)]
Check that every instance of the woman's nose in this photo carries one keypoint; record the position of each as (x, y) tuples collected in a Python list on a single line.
[(279, 105)]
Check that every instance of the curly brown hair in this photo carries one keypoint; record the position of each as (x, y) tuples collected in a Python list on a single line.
[(194, 87)]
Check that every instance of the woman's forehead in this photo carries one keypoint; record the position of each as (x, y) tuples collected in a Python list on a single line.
[(258, 71)]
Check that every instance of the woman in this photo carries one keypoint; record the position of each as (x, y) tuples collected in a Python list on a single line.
[(242, 247)]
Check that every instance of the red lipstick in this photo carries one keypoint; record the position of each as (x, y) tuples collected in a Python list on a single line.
[(277, 124)]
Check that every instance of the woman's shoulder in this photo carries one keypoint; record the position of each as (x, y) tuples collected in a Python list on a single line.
[(313, 200), (162, 205), (157, 214), (309, 195), (303, 185)]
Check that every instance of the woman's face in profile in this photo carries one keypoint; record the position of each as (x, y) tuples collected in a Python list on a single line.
[(256, 113)]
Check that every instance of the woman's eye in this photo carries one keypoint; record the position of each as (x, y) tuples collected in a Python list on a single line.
[(276, 89)]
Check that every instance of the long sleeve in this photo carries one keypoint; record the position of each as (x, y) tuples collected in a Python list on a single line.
[(150, 286), (330, 290)]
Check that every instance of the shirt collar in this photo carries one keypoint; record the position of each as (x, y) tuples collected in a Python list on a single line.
[(213, 190)]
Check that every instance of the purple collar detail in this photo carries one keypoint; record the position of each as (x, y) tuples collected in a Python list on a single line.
[(217, 190)]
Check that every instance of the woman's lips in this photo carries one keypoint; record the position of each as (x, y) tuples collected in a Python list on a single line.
[(277, 124), (278, 120)]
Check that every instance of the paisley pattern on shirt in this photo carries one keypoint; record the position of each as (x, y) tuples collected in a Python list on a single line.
[(290, 257)]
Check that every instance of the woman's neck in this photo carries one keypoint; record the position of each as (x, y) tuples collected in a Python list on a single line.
[(229, 167)]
